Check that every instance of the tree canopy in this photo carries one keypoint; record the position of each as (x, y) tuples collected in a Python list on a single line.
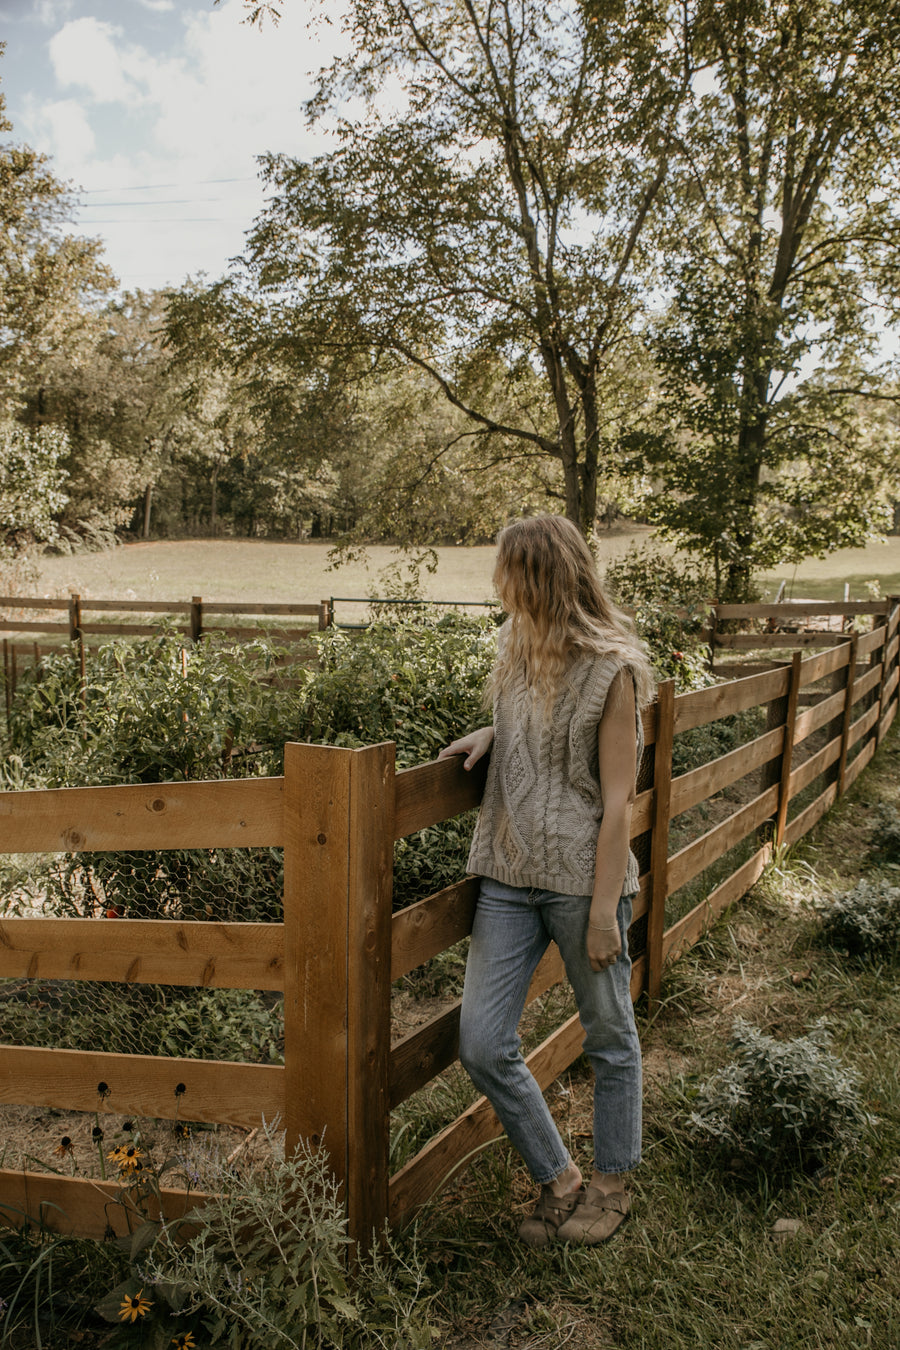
[(482, 214)]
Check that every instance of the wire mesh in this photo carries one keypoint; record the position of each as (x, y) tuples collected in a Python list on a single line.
[(224, 885)]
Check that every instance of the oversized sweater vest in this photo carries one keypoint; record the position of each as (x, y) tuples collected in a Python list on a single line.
[(542, 804)]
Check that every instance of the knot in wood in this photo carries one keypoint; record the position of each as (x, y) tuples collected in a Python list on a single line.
[(158, 804), (321, 838), (73, 838)]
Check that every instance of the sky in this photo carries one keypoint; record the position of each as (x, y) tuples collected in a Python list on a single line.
[(155, 110)]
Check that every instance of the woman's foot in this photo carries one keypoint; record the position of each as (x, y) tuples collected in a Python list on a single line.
[(596, 1216), (549, 1214), (556, 1203)]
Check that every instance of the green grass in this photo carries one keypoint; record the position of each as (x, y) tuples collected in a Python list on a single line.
[(242, 569)]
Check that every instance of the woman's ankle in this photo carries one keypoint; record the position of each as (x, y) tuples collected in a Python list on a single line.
[(569, 1180)]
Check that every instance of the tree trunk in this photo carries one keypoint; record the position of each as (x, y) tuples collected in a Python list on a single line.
[(148, 502)]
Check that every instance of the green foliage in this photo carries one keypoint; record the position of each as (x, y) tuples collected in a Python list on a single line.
[(152, 1019), (48, 1284), (777, 240), (670, 597), (782, 1105), (418, 682), (886, 833), (268, 1267), (864, 921), (153, 711), (31, 486)]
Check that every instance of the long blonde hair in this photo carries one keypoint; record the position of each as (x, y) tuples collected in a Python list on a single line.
[(547, 581)]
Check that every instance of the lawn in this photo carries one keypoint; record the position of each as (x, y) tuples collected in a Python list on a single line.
[(242, 569)]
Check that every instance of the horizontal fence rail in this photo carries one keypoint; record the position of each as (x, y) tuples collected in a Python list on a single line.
[(810, 728)]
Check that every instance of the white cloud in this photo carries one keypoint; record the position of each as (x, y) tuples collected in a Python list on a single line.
[(218, 94), (70, 130), (159, 6), (84, 54)]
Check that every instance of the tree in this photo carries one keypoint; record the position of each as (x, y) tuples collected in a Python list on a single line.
[(49, 281), (483, 213), (781, 230)]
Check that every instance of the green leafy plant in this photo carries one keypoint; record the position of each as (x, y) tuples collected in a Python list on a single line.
[(670, 598), (864, 921), (268, 1266), (780, 1104), (886, 833)]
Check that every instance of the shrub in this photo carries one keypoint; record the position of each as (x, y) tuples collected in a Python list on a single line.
[(780, 1104), (886, 833), (267, 1268), (865, 921), (670, 598)]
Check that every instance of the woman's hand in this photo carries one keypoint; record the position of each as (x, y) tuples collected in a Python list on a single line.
[(473, 746), (604, 944)]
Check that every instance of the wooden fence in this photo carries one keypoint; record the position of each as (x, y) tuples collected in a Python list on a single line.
[(337, 814)]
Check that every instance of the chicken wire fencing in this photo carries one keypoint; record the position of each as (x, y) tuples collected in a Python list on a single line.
[(218, 885)]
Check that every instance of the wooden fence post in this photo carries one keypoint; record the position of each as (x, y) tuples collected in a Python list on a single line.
[(74, 617), (883, 697), (196, 618), (7, 685), (785, 762), (659, 839), (847, 717), (338, 870)]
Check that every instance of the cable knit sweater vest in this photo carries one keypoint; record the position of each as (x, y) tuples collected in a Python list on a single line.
[(542, 804)]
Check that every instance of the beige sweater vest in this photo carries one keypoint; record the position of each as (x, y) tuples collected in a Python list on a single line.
[(542, 805)]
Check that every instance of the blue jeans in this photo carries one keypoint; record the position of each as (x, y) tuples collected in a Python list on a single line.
[(512, 929)]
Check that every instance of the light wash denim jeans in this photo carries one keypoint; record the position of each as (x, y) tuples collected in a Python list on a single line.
[(512, 929)]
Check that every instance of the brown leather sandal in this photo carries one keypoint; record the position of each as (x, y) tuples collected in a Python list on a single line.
[(542, 1225), (596, 1216)]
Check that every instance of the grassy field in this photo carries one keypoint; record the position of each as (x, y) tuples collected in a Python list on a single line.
[(241, 569)]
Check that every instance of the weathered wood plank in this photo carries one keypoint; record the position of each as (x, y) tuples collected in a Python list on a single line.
[(691, 927), (31, 602), (864, 757), (708, 705), (122, 630), (142, 1085), (144, 951), (862, 725), (887, 720), (135, 606), (31, 626), (692, 859), (871, 642), (787, 609), (436, 791), (659, 841), (810, 769), (864, 683), (228, 813), (85, 1207), (803, 823), (368, 993), (751, 642), (262, 608), (811, 719), (815, 668), (423, 930), (689, 789)]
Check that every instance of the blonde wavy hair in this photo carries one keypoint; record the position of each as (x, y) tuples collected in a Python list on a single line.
[(547, 581)]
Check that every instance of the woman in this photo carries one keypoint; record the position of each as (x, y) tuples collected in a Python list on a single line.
[(551, 848)]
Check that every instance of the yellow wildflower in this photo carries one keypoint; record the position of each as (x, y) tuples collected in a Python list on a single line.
[(135, 1306), (184, 1342)]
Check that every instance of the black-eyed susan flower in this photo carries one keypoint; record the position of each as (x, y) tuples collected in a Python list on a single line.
[(184, 1342), (135, 1306), (64, 1147), (97, 1133), (127, 1157)]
